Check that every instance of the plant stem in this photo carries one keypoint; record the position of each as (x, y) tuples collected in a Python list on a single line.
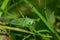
[(15, 29), (21, 30), (43, 19), (3, 6)]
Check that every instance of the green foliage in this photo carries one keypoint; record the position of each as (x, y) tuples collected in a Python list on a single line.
[(30, 19)]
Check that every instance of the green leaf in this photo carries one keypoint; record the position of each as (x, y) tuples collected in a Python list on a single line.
[(50, 16), (26, 37), (58, 17), (43, 30)]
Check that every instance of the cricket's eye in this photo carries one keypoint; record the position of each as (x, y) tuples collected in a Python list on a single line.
[(33, 23)]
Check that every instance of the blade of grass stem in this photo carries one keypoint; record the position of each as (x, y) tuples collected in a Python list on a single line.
[(21, 30), (3, 6), (15, 29)]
